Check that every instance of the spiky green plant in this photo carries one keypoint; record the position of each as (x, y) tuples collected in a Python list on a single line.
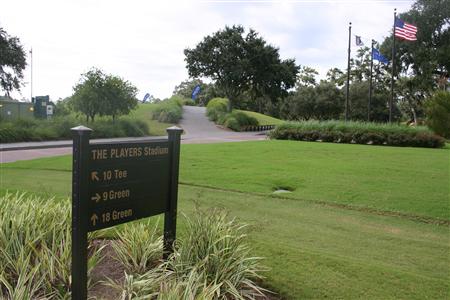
[(211, 261), (138, 246), (35, 248)]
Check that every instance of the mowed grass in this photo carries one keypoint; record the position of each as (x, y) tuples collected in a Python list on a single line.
[(262, 119), (314, 250), (407, 180)]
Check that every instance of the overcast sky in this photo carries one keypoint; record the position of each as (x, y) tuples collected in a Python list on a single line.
[(143, 41)]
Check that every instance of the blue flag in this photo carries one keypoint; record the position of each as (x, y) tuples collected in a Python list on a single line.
[(145, 97), (195, 92), (377, 55)]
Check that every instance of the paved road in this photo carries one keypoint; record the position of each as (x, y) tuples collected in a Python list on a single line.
[(198, 129)]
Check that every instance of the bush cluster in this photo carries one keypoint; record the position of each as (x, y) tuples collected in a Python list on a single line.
[(169, 111), (211, 261), (216, 111), (35, 252), (59, 128), (189, 102), (216, 107), (358, 133), (438, 113)]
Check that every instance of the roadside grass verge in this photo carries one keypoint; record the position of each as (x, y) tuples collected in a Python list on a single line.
[(358, 133)]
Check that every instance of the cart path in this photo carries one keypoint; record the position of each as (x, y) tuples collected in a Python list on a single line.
[(198, 130)]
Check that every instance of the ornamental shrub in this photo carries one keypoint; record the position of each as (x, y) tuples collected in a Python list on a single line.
[(168, 111), (358, 133), (59, 129), (216, 108), (438, 113)]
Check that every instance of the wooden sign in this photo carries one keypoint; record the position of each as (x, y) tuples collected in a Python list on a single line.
[(115, 183)]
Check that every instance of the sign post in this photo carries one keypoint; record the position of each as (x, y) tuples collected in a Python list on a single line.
[(79, 206), (114, 183), (170, 217)]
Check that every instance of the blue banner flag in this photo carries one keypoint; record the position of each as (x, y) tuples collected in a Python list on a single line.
[(377, 55), (146, 97), (195, 92)]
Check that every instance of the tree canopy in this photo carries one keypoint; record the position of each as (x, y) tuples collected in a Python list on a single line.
[(101, 94), (12, 62), (241, 63)]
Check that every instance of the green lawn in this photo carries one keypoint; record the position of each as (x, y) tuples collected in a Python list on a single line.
[(313, 247), (262, 119)]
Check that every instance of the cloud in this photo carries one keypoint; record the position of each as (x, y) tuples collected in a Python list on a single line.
[(143, 41)]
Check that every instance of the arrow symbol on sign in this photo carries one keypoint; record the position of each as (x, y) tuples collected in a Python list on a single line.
[(94, 176), (96, 198), (94, 219)]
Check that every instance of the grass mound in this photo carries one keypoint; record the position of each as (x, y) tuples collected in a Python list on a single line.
[(216, 110), (262, 119), (358, 133)]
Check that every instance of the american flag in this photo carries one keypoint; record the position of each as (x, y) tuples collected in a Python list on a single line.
[(405, 31)]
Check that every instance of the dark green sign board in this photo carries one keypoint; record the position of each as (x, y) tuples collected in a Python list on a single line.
[(114, 183)]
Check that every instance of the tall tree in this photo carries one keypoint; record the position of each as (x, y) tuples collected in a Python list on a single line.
[(222, 58), (100, 94), (239, 63), (428, 58), (306, 76), (12, 62), (422, 65), (120, 96), (336, 76), (269, 77)]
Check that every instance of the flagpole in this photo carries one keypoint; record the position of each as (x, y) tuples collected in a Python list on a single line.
[(31, 71), (348, 70), (370, 83), (393, 69)]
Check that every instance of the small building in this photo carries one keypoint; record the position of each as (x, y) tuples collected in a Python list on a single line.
[(43, 107), (13, 110)]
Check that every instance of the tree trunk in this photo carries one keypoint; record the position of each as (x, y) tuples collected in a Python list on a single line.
[(414, 116), (230, 105)]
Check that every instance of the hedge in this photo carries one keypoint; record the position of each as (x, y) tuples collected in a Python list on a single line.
[(358, 133), (59, 129)]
